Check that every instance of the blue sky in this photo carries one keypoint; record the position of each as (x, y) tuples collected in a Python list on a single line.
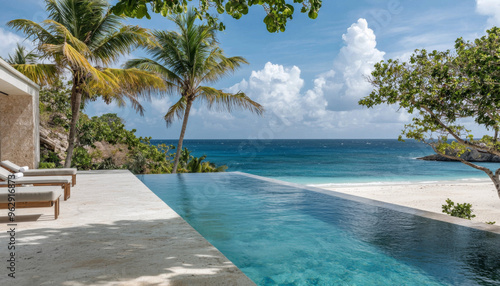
[(309, 78)]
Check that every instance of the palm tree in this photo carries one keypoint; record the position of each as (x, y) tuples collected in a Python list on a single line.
[(186, 60), (84, 38), (28, 64)]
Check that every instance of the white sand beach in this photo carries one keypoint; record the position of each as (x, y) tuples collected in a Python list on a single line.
[(430, 196)]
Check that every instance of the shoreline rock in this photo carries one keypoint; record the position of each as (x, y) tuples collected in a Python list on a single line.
[(469, 155)]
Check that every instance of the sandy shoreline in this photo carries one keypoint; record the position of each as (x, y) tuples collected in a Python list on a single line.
[(430, 196)]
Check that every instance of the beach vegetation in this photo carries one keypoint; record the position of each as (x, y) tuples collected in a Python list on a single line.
[(103, 142), (187, 60), (443, 89), (458, 210), (277, 12), (82, 39)]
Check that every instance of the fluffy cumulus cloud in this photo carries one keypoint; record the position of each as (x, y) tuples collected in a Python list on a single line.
[(278, 89), (347, 82), (9, 41), (332, 102), (489, 8)]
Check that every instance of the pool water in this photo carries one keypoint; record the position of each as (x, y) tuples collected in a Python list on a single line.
[(279, 234)]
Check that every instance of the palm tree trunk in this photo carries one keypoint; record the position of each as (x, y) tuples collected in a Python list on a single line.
[(181, 138), (76, 101)]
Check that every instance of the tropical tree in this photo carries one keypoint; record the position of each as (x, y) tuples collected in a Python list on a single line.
[(27, 62), (278, 12), (442, 89), (83, 38), (187, 60)]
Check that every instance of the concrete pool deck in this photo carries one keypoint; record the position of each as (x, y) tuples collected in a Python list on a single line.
[(112, 231)]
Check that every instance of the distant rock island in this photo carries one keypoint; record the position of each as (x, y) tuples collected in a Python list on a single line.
[(469, 155)]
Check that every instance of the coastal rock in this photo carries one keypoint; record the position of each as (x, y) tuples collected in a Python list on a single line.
[(54, 140), (469, 155)]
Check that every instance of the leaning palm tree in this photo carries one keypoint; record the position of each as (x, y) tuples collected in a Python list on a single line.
[(187, 60), (27, 62), (83, 38)]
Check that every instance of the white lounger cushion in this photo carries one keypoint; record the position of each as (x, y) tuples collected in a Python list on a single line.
[(32, 194), (39, 180), (39, 172), (4, 174)]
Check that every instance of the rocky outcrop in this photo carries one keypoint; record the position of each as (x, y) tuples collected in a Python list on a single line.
[(469, 155), (54, 141)]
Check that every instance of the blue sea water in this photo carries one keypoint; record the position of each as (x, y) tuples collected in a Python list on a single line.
[(285, 235), (332, 162)]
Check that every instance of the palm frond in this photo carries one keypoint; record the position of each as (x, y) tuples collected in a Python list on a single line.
[(172, 80), (176, 110), (224, 101), (21, 56), (32, 30), (42, 74), (64, 33), (218, 66), (111, 47)]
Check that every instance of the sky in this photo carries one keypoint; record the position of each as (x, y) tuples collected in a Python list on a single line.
[(309, 78)]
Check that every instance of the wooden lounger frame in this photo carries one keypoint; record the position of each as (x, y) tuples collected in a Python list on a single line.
[(41, 204)]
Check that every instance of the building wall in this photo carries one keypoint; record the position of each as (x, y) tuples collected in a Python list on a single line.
[(19, 142), (19, 118)]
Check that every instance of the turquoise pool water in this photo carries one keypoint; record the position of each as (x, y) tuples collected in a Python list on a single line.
[(284, 235)]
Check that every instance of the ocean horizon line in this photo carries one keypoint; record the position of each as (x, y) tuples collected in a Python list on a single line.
[(251, 139)]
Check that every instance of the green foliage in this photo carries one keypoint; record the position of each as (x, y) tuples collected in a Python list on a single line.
[(278, 12), (49, 156), (191, 164), (491, 222), (46, 165), (54, 99), (459, 210), (82, 159), (109, 130), (441, 89), (142, 156)]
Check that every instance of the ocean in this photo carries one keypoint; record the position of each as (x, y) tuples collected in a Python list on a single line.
[(325, 162)]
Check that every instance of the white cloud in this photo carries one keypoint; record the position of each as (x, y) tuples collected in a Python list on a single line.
[(160, 105), (9, 41), (489, 8), (352, 66), (277, 88), (332, 103)]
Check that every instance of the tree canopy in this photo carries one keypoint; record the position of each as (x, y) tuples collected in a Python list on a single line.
[(84, 39), (443, 90), (278, 11)]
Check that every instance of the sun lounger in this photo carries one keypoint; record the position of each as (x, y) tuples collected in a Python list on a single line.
[(64, 182), (40, 172), (32, 197)]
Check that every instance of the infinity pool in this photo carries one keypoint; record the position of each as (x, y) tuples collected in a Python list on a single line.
[(279, 234)]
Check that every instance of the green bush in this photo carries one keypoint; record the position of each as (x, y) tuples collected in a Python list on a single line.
[(459, 210), (49, 156), (81, 159), (46, 165)]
